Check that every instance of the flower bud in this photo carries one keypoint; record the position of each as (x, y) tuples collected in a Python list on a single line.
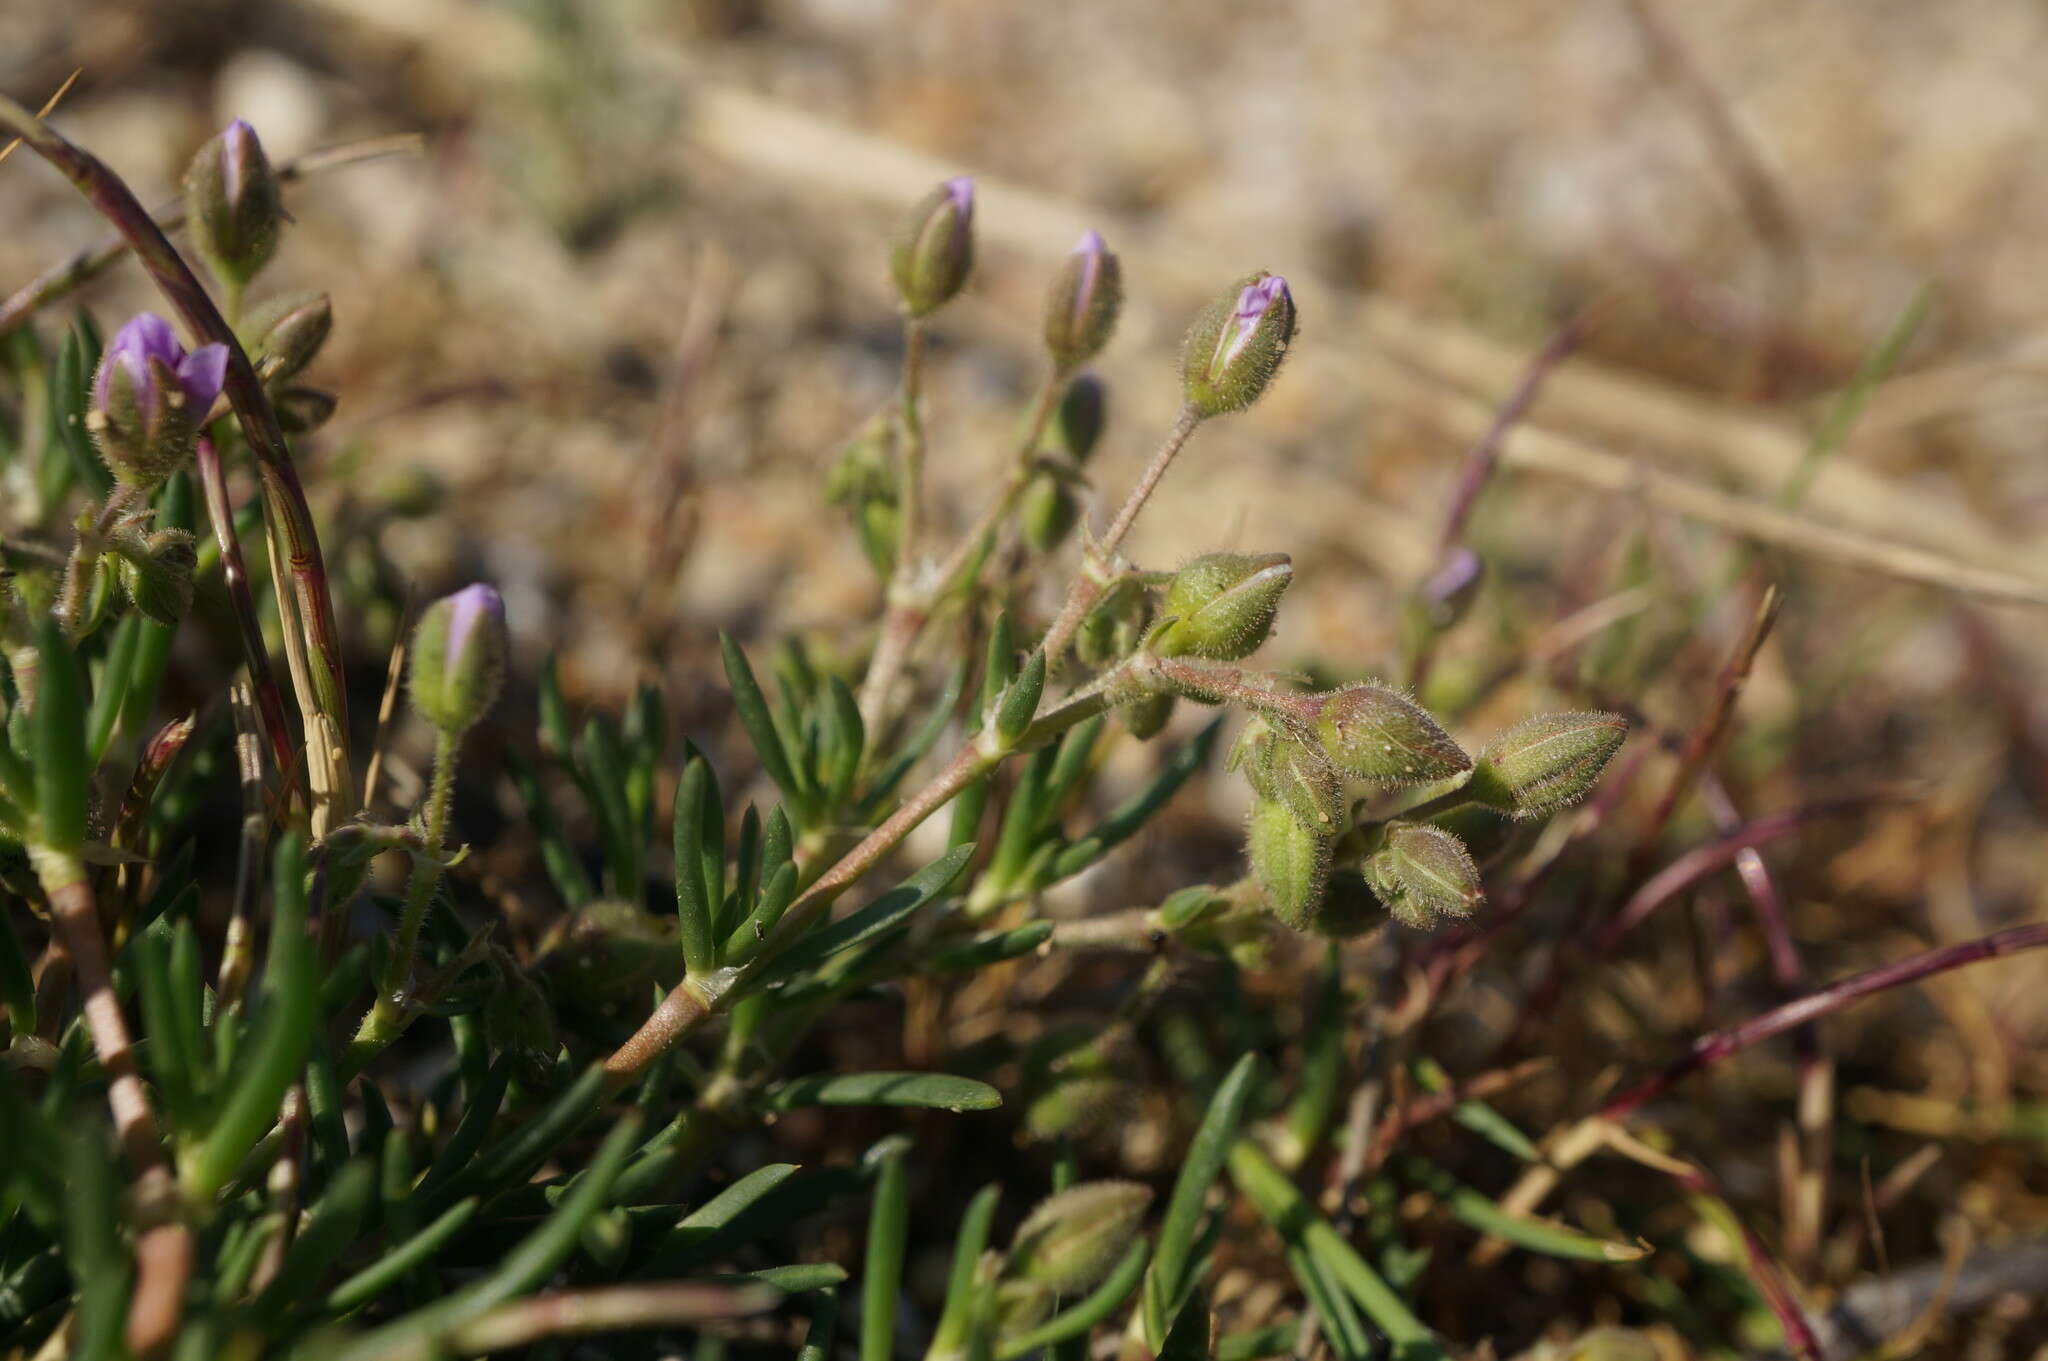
[(1445, 594), (1545, 763), (1349, 908), (1144, 718), (1291, 862), (1047, 512), (150, 398), (1073, 1238), (1082, 412), (1236, 345), (1081, 311), (1424, 873), (1610, 1344), (1113, 628), (935, 248), (1077, 1107), (458, 658), (1373, 733), (1290, 773), (301, 410), (232, 204), (863, 480), (1221, 606), (286, 332), (156, 573)]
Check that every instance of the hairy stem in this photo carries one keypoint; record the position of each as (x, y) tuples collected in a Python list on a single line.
[(1088, 586), (386, 1020)]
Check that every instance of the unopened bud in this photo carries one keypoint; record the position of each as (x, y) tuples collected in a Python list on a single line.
[(156, 573), (1047, 512), (863, 480), (1610, 1344), (1113, 628), (1236, 345), (1144, 718), (1545, 763), (302, 410), (1077, 1106), (287, 332), (232, 204), (458, 658), (1424, 873), (1292, 773), (935, 249), (1445, 594), (1081, 311), (150, 397), (1073, 1238), (1083, 411), (1373, 733), (1291, 862), (1221, 606)]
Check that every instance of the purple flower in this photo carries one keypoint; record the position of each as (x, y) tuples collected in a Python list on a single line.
[(199, 373), (1253, 304), (239, 149), (1081, 310), (466, 609), (935, 248)]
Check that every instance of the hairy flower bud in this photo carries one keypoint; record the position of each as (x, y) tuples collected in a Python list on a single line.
[(1114, 626), (285, 333), (458, 658), (150, 397), (1221, 606), (1445, 594), (1423, 873), (1081, 310), (1082, 412), (1291, 773), (302, 410), (1373, 733), (1145, 718), (232, 204), (935, 248), (1545, 763), (1073, 1238), (863, 480), (156, 573), (1236, 345), (1047, 512), (1291, 862)]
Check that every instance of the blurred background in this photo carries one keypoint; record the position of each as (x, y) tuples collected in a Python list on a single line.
[(629, 296)]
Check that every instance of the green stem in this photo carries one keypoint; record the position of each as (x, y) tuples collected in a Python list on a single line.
[(386, 1020)]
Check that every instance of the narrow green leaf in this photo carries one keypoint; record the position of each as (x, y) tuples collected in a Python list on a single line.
[(881, 915), (940, 1091), (882, 1268), (1173, 1258), (693, 912), (845, 740), (750, 935), (285, 1032), (682, 1243), (1477, 1116), (117, 670), (70, 399), (991, 948), (758, 721), (1020, 701), (968, 1245), (824, 1323), (92, 1243), (1281, 1204), (62, 768), (1478, 1211), (795, 1278), (399, 1262), (1255, 1344), (564, 867)]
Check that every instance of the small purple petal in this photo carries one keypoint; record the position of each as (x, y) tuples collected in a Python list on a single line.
[(961, 191), (201, 373), (237, 141), (467, 608), (1253, 303), (1091, 250), (143, 338)]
